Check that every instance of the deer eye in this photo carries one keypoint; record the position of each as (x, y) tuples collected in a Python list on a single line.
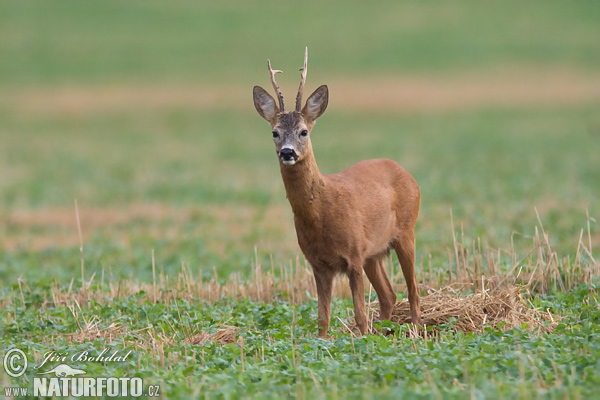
[(304, 133), (275, 135)]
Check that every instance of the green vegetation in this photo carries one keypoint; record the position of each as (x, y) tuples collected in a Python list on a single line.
[(142, 111), (279, 355)]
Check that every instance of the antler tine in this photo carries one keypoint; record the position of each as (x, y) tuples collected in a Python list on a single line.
[(276, 86), (303, 75)]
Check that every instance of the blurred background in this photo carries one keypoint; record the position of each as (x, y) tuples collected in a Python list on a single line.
[(142, 111)]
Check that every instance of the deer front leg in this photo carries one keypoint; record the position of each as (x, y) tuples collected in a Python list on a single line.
[(357, 287), (324, 283)]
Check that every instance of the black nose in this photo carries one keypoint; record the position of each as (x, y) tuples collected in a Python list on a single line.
[(287, 154)]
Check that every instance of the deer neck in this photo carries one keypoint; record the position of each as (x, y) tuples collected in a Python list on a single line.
[(304, 186)]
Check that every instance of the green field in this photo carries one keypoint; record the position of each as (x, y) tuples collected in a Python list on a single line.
[(142, 113)]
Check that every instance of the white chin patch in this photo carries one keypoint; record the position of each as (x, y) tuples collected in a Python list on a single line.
[(288, 162)]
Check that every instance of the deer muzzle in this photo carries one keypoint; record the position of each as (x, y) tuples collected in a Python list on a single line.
[(288, 156)]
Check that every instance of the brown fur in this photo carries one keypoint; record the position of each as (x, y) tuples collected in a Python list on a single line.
[(346, 222)]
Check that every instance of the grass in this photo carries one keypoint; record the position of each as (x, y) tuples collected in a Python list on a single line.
[(142, 113), (146, 41), (276, 353), (210, 206)]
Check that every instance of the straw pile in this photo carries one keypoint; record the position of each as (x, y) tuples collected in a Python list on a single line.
[(93, 329), (229, 334), (474, 312)]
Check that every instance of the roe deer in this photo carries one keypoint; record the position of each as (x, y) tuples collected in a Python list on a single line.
[(345, 222)]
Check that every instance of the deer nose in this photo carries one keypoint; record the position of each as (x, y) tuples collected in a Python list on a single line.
[(288, 154)]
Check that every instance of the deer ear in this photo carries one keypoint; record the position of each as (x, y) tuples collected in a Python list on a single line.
[(265, 104), (316, 103)]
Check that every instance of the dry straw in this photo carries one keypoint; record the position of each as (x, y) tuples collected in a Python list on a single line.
[(227, 334), (500, 307)]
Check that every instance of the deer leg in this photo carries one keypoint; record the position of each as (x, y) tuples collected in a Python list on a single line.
[(406, 254), (375, 270), (324, 283), (357, 287)]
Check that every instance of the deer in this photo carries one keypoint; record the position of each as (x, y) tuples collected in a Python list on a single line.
[(348, 222)]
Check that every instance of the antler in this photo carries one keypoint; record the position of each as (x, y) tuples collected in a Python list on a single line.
[(303, 75), (276, 86)]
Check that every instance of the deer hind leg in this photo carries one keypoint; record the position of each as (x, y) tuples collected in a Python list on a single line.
[(324, 283), (357, 287), (405, 248), (375, 270)]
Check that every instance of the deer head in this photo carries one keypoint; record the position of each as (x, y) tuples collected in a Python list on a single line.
[(291, 129)]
